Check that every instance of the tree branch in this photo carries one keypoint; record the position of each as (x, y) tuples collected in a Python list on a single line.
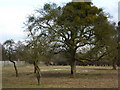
[(93, 60)]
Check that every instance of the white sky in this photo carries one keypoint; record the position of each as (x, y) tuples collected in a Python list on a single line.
[(14, 13)]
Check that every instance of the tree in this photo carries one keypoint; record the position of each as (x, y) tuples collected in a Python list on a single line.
[(9, 51), (113, 46), (71, 28), (34, 54), (118, 42), (85, 26), (37, 48)]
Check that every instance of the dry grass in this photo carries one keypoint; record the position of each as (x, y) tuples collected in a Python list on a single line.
[(58, 77)]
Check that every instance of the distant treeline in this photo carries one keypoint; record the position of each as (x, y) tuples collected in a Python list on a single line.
[(97, 63)]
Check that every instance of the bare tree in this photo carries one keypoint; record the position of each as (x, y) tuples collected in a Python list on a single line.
[(9, 47)]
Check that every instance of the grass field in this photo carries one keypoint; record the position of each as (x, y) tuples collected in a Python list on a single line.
[(59, 77)]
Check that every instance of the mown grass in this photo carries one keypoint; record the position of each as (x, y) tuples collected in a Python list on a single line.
[(59, 77)]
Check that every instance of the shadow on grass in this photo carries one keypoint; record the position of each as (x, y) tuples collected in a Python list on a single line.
[(103, 69), (89, 75), (67, 75), (55, 75)]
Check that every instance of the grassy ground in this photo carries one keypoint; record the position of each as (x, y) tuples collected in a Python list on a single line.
[(59, 77)]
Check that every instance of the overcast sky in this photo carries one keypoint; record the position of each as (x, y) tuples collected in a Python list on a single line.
[(14, 13)]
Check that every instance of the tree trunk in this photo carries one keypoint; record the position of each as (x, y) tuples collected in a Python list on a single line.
[(73, 68), (73, 63), (38, 73), (114, 65), (16, 71), (34, 67)]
